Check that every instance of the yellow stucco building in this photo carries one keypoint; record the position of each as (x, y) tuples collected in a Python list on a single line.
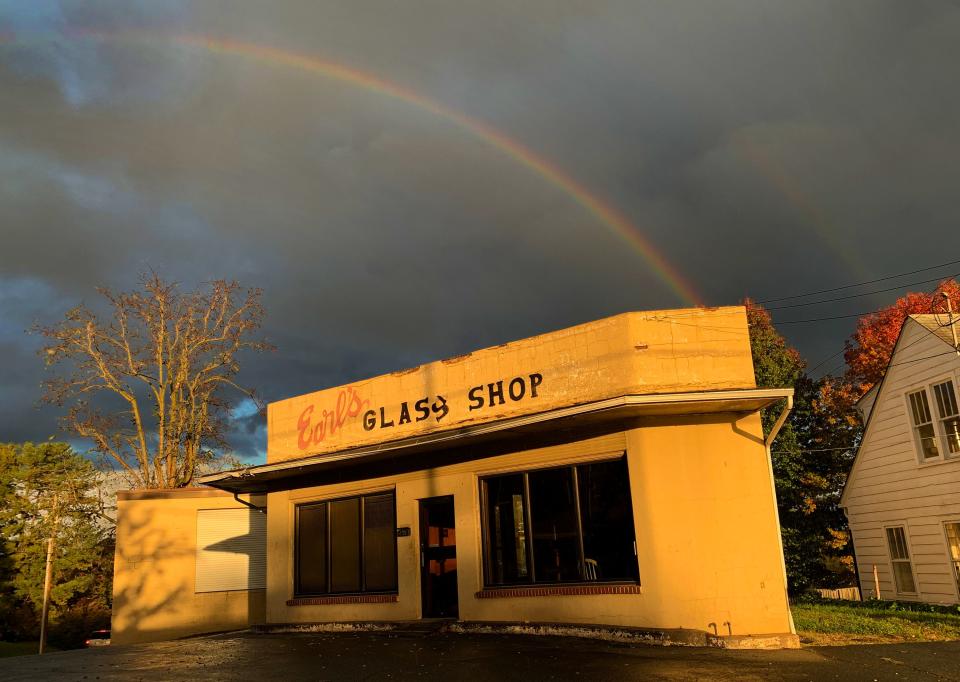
[(609, 474)]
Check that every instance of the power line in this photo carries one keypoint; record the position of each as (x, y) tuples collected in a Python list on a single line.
[(928, 357), (866, 293), (858, 284), (835, 317), (904, 362), (824, 319), (831, 371), (825, 360), (788, 452), (921, 338)]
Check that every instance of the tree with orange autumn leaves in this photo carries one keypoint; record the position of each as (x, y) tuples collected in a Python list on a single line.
[(815, 449), (868, 350)]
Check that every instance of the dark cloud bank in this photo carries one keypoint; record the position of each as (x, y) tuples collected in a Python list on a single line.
[(764, 148)]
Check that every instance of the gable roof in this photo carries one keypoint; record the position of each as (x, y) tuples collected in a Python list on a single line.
[(937, 325)]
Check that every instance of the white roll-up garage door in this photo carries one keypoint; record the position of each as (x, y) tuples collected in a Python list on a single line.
[(231, 550)]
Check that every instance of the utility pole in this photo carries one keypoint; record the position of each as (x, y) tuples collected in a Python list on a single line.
[(953, 329), (47, 584), (48, 575)]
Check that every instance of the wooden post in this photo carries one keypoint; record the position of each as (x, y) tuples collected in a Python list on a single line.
[(48, 577), (47, 583), (876, 582)]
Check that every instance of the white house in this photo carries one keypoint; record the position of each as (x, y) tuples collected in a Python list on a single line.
[(902, 497)]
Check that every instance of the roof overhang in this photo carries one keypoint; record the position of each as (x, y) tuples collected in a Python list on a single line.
[(283, 475)]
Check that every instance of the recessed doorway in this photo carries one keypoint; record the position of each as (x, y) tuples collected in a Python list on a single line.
[(438, 558)]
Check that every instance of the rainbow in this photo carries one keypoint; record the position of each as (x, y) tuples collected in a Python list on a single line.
[(777, 176), (606, 214)]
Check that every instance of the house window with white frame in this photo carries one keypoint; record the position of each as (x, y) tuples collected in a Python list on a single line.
[(900, 560), (953, 540), (946, 400), (923, 425)]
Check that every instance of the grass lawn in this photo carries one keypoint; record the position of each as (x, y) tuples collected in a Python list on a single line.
[(837, 622), (21, 648)]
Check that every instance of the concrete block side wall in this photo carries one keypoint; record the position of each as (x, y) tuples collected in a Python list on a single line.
[(154, 594)]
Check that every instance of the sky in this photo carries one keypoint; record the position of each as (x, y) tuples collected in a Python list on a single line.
[(458, 175)]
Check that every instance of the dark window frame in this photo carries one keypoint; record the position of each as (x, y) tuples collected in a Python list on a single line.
[(329, 539), (486, 549)]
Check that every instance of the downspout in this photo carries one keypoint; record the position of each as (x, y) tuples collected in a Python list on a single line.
[(262, 510), (768, 442), (779, 423)]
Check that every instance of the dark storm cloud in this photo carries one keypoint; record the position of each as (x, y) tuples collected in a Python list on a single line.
[(765, 149)]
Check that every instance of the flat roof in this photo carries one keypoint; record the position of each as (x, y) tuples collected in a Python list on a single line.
[(635, 353), (292, 473)]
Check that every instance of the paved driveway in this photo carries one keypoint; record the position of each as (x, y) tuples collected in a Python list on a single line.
[(414, 655)]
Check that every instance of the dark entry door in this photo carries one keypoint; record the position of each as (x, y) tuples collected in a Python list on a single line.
[(438, 557)]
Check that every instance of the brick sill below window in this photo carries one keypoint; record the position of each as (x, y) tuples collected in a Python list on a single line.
[(343, 599), (557, 590)]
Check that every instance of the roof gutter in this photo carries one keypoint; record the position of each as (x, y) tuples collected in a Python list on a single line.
[(694, 402)]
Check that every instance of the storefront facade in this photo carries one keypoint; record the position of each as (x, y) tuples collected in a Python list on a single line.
[(610, 474)]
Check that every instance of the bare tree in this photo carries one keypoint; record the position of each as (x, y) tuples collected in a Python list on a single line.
[(168, 360)]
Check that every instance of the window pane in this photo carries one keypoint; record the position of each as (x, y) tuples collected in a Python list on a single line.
[(928, 441), (892, 543), (946, 399), (904, 576), (915, 408), (506, 527), (312, 549), (379, 548), (607, 520), (938, 395), (951, 427), (345, 545), (953, 538), (897, 541), (556, 541), (921, 408)]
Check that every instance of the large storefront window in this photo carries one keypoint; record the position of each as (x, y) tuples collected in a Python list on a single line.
[(347, 546), (562, 525)]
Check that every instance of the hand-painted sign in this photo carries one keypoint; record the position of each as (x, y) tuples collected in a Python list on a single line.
[(654, 352), (517, 389), (313, 431)]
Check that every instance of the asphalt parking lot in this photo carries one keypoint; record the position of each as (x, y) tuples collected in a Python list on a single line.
[(413, 655)]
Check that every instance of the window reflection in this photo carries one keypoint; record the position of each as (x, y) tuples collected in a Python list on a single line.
[(560, 525)]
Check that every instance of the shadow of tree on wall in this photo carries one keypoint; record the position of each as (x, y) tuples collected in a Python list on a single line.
[(241, 544), (244, 545), (144, 585), (155, 588)]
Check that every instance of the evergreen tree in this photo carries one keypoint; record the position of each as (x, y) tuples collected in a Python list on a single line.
[(49, 491)]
